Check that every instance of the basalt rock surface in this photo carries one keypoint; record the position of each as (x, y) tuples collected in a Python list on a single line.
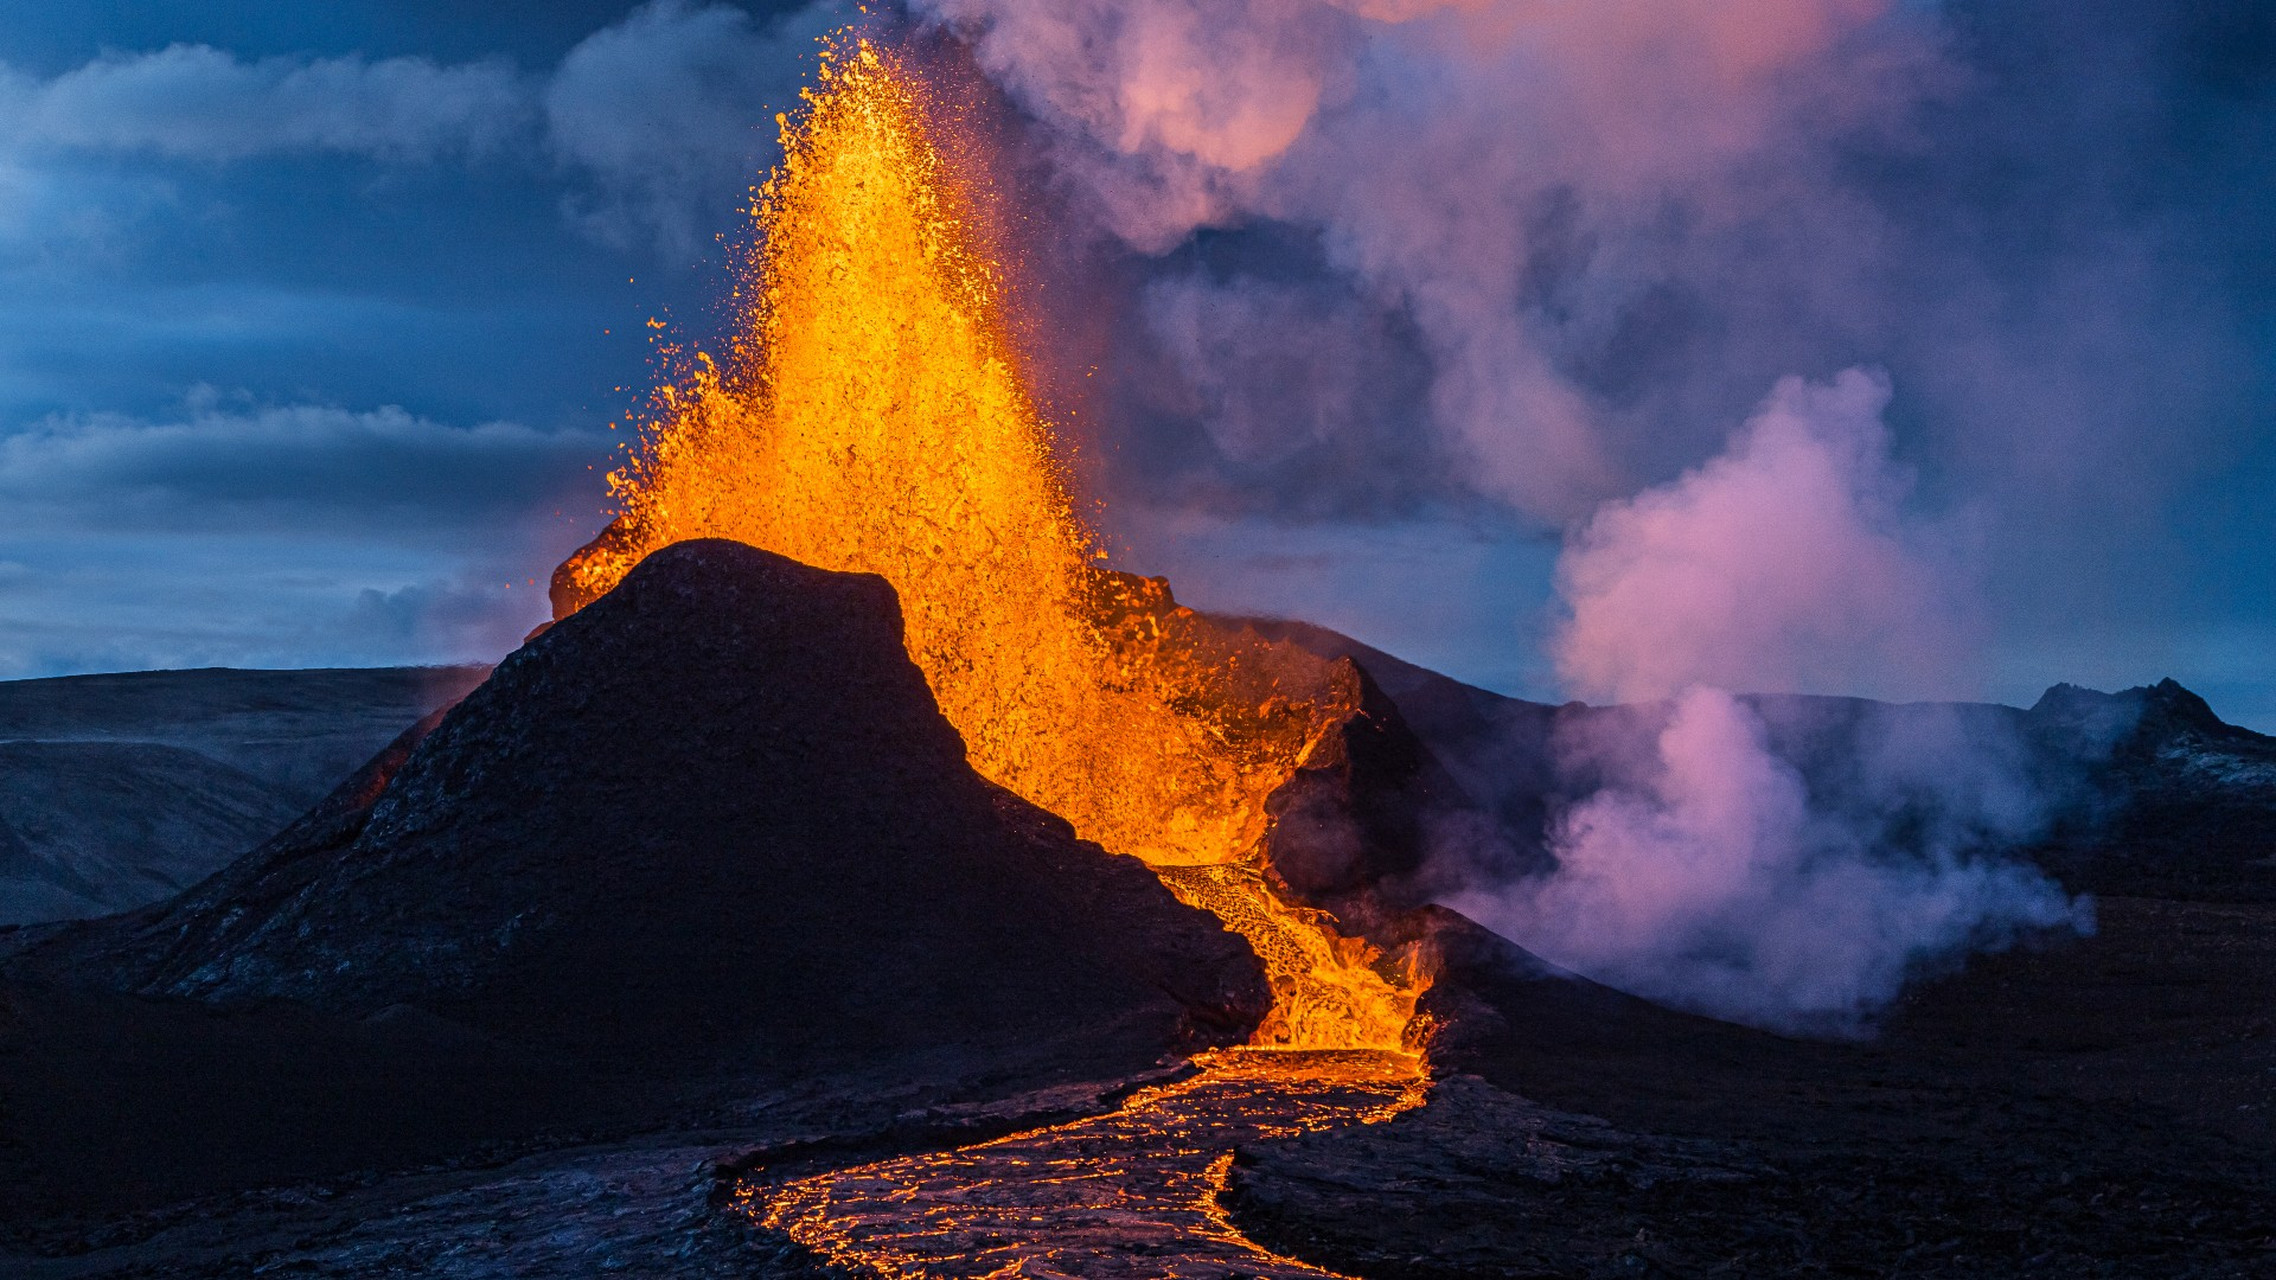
[(2176, 802)]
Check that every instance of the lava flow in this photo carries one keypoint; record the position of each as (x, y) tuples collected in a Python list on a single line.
[(872, 415), (1133, 1193)]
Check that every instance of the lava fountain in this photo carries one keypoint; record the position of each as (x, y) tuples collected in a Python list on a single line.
[(871, 414)]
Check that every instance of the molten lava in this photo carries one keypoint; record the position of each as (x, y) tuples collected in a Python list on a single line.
[(872, 416), (1138, 1191)]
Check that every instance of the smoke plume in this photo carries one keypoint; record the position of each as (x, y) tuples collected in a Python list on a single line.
[(1400, 258), (1532, 188), (1702, 876), (1783, 564), (1699, 865)]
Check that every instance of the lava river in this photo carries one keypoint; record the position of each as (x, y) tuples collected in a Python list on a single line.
[(1135, 1192)]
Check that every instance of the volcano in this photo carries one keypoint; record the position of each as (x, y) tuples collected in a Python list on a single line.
[(711, 829)]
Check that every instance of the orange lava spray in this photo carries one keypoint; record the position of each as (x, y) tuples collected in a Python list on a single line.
[(871, 415)]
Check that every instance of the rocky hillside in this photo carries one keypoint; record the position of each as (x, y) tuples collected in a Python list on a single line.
[(727, 777), (120, 790)]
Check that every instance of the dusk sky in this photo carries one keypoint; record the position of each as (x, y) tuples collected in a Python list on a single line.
[(314, 320)]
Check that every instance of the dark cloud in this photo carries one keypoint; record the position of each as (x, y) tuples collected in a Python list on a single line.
[(122, 601), (384, 471), (289, 535), (670, 114)]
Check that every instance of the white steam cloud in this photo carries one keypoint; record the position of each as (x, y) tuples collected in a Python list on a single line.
[(1784, 564), (1700, 872), (1701, 876)]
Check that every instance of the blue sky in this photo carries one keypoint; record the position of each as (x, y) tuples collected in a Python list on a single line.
[(313, 320)]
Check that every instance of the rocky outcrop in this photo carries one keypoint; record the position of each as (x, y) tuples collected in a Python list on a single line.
[(1351, 828), (2170, 800)]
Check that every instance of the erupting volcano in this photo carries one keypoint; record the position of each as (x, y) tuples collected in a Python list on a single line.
[(872, 416), (864, 872)]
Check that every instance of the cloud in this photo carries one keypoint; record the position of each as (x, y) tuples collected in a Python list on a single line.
[(200, 103), (1601, 230), (144, 602), (293, 466), (1703, 875), (1538, 189), (1694, 863), (1160, 106), (281, 535), (1608, 226), (670, 114), (1300, 395), (466, 618), (661, 122)]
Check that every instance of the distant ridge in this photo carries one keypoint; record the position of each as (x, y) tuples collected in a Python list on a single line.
[(126, 788), (2149, 790)]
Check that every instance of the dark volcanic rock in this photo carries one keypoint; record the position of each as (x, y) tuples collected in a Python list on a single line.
[(108, 826), (2106, 1108), (1493, 753), (717, 809), (2178, 804), (710, 828), (1351, 827), (300, 731)]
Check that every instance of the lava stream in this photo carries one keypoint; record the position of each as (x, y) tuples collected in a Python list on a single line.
[(1133, 1193)]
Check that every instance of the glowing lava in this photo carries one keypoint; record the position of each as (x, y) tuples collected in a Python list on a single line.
[(1137, 1192), (872, 416)]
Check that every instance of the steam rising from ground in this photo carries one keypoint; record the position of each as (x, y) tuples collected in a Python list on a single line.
[(1701, 870), (1701, 875)]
